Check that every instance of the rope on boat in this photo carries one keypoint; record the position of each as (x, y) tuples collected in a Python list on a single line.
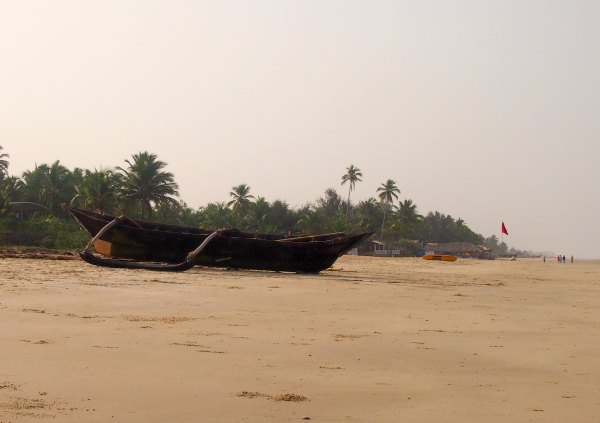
[(188, 263)]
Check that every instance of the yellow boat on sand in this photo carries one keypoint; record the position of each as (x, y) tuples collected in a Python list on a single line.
[(441, 257)]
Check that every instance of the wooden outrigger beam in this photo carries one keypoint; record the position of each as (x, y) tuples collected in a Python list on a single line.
[(92, 258)]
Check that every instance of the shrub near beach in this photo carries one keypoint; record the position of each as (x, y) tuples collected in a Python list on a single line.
[(42, 231)]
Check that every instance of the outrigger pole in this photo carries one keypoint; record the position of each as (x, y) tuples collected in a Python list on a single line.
[(188, 263)]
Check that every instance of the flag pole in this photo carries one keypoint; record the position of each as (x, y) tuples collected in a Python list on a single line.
[(503, 231)]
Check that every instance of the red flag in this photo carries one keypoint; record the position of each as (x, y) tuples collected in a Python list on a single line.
[(504, 231)]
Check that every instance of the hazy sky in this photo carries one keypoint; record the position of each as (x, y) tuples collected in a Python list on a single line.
[(485, 110)]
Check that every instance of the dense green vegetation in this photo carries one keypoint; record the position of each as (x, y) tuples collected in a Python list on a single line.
[(144, 189)]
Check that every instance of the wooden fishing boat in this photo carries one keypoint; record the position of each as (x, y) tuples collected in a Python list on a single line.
[(126, 243), (440, 257)]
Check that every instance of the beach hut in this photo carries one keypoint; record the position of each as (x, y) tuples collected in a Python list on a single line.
[(389, 249), (23, 209), (458, 249)]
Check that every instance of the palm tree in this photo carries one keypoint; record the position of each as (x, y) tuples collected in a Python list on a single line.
[(57, 187), (368, 214), (3, 163), (312, 221), (49, 185), (259, 212), (145, 182), (407, 216), (188, 216), (5, 184), (241, 198), (352, 175), (33, 181), (97, 190), (175, 214), (11, 189), (388, 191), (215, 216), (439, 227), (406, 211)]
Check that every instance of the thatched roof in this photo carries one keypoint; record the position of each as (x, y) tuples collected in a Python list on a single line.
[(23, 206), (454, 247)]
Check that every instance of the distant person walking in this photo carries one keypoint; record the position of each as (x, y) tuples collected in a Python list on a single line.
[(571, 258)]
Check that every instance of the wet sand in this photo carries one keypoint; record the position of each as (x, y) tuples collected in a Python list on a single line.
[(374, 340)]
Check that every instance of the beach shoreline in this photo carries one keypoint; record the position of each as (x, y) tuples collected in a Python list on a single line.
[(373, 339)]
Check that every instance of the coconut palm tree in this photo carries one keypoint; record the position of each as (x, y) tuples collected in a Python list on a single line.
[(3, 163), (98, 190), (388, 191), (406, 211), (145, 183), (407, 217), (352, 175), (33, 183), (312, 221), (439, 227), (368, 214), (241, 199), (49, 185), (258, 214), (11, 189), (215, 216), (58, 186)]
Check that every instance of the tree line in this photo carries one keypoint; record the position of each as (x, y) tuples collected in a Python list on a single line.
[(143, 188)]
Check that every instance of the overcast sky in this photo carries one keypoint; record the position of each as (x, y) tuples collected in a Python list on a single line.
[(484, 110)]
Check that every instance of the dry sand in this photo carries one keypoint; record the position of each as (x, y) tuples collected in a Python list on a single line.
[(376, 340)]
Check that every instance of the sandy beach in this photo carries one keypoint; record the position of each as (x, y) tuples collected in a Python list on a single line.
[(372, 340)]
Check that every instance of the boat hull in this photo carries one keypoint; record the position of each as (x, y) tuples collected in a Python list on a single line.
[(439, 257), (153, 242)]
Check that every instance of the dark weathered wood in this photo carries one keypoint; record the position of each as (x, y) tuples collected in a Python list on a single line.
[(318, 237), (188, 263), (155, 243)]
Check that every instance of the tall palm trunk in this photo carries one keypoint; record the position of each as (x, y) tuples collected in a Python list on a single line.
[(383, 220), (347, 206)]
